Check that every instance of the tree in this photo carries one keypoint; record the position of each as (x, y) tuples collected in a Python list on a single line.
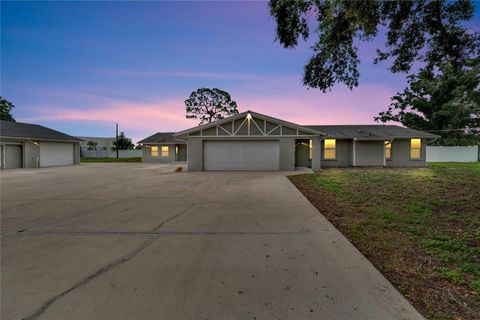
[(446, 103), (425, 31), (124, 143), (92, 145), (210, 105), (6, 107)]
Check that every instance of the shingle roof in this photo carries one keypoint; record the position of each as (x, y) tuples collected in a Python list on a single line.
[(161, 137), (32, 131), (371, 131)]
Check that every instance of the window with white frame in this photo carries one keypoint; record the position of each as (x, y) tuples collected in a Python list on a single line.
[(154, 151)]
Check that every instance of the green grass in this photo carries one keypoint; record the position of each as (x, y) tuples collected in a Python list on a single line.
[(419, 226), (102, 160)]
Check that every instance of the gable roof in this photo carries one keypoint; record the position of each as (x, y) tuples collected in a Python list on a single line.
[(243, 115), (161, 137), (372, 131), (32, 131)]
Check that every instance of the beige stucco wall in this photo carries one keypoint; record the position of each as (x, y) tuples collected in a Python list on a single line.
[(401, 154)]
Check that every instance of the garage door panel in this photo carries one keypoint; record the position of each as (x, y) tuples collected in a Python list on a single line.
[(241, 155), (13, 156), (56, 154)]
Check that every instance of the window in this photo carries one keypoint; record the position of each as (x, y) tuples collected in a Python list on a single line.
[(415, 149), (164, 151), (310, 146), (154, 151), (329, 149), (388, 150)]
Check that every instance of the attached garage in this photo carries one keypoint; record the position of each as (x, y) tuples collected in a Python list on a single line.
[(241, 155), (56, 154), (249, 141)]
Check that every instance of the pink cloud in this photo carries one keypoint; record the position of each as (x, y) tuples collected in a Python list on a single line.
[(341, 106), (137, 119), (141, 119)]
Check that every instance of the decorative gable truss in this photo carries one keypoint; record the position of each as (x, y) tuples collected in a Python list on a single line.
[(252, 125)]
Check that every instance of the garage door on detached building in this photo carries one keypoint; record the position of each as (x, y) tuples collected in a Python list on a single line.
[(56, 154), (241, 155), (25, 145)]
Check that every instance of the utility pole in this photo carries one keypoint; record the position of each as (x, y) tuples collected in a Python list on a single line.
[(116, 138)]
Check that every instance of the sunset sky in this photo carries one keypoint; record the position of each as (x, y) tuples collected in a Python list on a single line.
[(80, 67)]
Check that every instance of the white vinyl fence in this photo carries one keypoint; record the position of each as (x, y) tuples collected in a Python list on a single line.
[(452, 154), (110, 154)]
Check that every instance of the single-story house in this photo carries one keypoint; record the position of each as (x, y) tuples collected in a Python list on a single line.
[(24, 145), (253, 141), (163, 147)]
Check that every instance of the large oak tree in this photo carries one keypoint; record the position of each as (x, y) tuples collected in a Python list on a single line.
[(209, 105)]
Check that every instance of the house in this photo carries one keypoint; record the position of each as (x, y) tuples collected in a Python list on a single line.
[(163, 147), (24, 145), (253, 141), (102, 143)]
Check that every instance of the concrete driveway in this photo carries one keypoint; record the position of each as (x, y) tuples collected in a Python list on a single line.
[(137, 241)]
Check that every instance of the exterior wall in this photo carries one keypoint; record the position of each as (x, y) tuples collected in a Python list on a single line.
[(401, 154), (195, 154), (182, 152), (286, 145), (76, 153), (31, 152), (287, 154), (31, 155), (147, 153), (316, 154), (343, 154), (369, 153)]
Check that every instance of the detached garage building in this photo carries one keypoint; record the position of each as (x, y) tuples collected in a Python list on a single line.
[(253, 141), (24, 145)]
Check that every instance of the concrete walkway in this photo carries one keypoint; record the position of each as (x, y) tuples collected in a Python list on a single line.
[(137, 241)]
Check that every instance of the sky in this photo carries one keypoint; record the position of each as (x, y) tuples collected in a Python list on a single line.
[(80, 67)]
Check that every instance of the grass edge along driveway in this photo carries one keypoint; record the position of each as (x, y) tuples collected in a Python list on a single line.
[(419, 226)]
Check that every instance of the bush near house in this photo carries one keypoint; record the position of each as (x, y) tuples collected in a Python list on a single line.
[(420, 227)]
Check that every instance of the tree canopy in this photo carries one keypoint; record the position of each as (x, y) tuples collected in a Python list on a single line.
[(124, 143), (5, 109), (209, 105), (446, 103), (424, 31)]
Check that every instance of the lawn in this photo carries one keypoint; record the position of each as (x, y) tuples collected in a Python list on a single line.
[(420, 227), (93, 160)]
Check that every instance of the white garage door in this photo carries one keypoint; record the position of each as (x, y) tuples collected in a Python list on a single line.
[(241, 155), (55, 154)]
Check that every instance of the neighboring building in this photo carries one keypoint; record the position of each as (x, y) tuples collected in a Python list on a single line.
[(24, 145), (163, 147), (252, 141), (103, 143)]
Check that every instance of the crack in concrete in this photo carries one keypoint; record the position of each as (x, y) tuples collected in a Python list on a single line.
[(104, 269)]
